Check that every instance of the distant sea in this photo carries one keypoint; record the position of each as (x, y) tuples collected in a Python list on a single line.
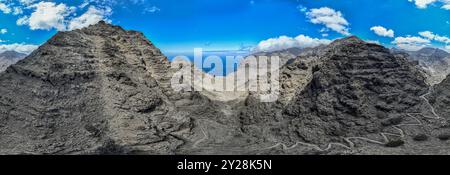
[(215, 70)]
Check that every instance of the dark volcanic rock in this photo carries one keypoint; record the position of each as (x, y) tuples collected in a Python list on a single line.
[(395, 143), (97, 90), (354, 93), (420, 137), (440, 98)]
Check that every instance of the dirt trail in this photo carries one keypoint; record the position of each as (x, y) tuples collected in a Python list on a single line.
[(351, 144)]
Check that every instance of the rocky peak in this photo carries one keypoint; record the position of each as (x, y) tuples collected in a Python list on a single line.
[(347, 40), (352, 45), (11, 55), (433, 52), (100, 89), (356, 87)]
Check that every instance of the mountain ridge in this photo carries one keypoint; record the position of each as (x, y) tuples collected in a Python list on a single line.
[(106, 90), (8, 58)]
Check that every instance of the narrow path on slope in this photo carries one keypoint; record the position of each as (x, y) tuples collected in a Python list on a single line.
[(205, 136), (383, 134), (433, 111)]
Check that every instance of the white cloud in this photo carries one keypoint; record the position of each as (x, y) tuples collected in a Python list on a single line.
[(22, 48), (442, 39), (47, 15), (27, 2), (285, 42), (22, 21), (50, 15), (331, 18), (446, 6), (5, 8), (431, 36), (427, 34), (152, 9), (302, 8), (3, 31), (411, 43), (373, 42), (17, 11), (447, 48), (422, 4), (381, 31), (92, 16)]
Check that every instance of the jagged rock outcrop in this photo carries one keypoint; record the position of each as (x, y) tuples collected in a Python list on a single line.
[(8, 58), (353, 89), (358, 87), (440, 98), (100, 90)]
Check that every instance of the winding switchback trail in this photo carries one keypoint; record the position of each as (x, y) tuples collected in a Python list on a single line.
[(383, 134)]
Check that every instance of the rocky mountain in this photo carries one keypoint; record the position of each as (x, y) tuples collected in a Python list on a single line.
[(97, 90), (353, 92), (106, 90), (356, 93), (440, 98), (8, 58), (434, 61)]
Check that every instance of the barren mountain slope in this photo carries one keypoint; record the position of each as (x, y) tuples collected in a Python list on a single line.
[(8, 58), (96, 90), (358, 96), (105, 90)]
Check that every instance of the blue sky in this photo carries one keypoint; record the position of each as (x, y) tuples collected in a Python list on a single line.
[(181, 25)]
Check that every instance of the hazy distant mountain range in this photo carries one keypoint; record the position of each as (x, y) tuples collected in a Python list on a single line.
[(434, 61), (8, 58)]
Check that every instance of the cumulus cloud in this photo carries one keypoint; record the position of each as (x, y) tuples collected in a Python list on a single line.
[(22, 21), (91, 16), (431, 36), (447, 48), (27, 2), (50, 15), (47, 15), (285, 42), (427, 34), (446, 6), (3, 31), (331, 18), (22, 48), (381, 31), (422, 4), (5, 8), (411, 43), (17, 11)]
